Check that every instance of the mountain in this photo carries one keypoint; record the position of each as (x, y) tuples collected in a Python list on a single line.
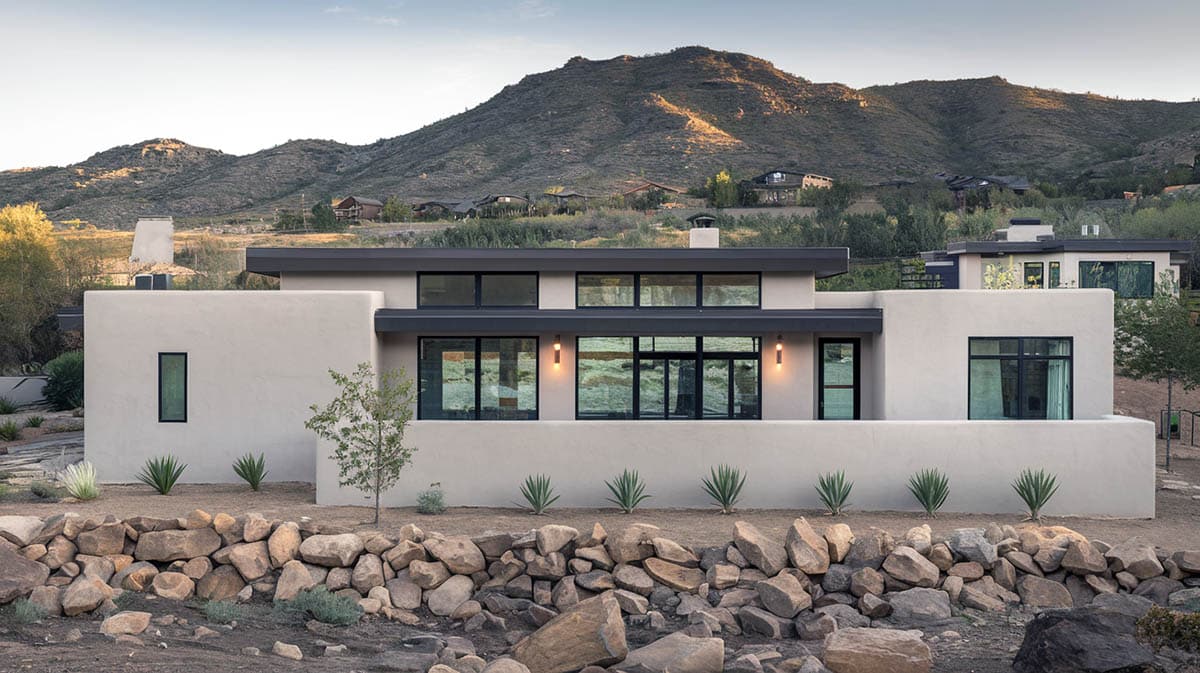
[(674, 117)]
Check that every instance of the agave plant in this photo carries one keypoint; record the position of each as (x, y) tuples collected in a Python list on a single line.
[(252, 470), (161, 473), (930, 487), (834, 491), (628, 490), (79, 480), (538, 493), (724, 485), (1036, 489)]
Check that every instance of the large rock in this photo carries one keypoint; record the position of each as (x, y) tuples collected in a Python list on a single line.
[(1136, 557), (675, 576), (868, 551), (756, 620), (128, 623), (85, 594), (175, 545), (20, 530), (221, 584), (452, 593), (633, 578), (293, 579), (589, 634), (806, 549), (505, 665), (18, 575), (428, 574), (784, 595), (460, 555), (632, 543), (332, 551), (838, 538), (670, 550), (1187, 561), (554, 537), (104, 540), (175, 586), (761, 551), (908, 566), (1082, 640), (678, 653), (368, 573), (919, 607), (867, 650), (136, 576), (973, 545), (404, 553), (284, 544), (251, 559), (1082, 558), (1039, 592)]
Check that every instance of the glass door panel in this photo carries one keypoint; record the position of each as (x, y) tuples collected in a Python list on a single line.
[(839, 380), (716, 388), (681, 388), (652, 387)]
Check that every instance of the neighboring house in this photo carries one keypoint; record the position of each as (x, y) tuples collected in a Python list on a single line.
[(570, 200), (492, 205), (356, 208), (959, 185), (1129, 267), (580, 362), (436, 210), (779, 187)]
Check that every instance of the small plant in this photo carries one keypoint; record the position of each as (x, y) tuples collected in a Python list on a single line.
[(931, 488), (7, 406), (1161, 627), (9, 431), (22, 611), (79, 481), (319, 604), (1036, 489), (251, 469), (64, 381), (222, 612), (431, 501), (161, 473), (724, 485), (538, 493), (35, 421), (628, 490), (45, 490), (834, 491)]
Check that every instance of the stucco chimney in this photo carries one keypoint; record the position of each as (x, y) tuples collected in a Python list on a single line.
[(704, 237)]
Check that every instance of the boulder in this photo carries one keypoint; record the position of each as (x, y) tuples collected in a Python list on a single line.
[(404, 594), (552, 566), (722, 576), (102, 540), (59, 552), (20, 530), (368, 573), (596, 555), (554, 537), (1134, 606), (19, 575), (1082, 558), (918, 607), (332, 551), (974, 596), (284, 544), (174, 545), (460, 555), (968, 570), (172, 585), (251, 559), (677, 577), (1023, 562), (631, 603), (941, 556), (1136, 557), (85, 594), (452, 593), (633, 578), (504, 665), (919, 538), (287, 651), (293, 579), (1039, 592), (953, 587), (866, 580), (814, 626), (404, 553), (595, 580), (632, 543), (1158, 589), (1187, 561), (868, 551), (1082, 640), (756, 620), (866, 650), (838, 538), (255, 527), (223, 583), (874, 607), (784, 595), (47, 598), (678, 653), (909, 566), (428, 574), (670, 550), (128, 623), (762, 552), (807, 551), (972, 544), (845, 616), (592, 538), (591, 633), (136, 576)]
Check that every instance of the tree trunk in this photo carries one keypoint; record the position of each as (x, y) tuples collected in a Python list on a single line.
[(1170, 388)]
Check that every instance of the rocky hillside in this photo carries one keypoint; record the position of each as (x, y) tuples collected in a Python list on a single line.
[(672, 117)]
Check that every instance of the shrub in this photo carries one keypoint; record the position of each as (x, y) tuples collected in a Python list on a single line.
[(64, 382), (319, 604), (724, 485), (628, 490), (222, 612), (538, 493), (431, 501), (931, 488), (79, 481), (22, 611), (7, 406), (1036, 489), (35, 421), (45, 490), (9, 431), (251, 469), (161, 473), (1161, 627), (834, 491)]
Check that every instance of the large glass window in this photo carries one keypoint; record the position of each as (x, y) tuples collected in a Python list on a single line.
[(1020, 378), (666, 290), (668, 377), (730, 289), (1129, 280), (474, 290), (839, 376), (172, 387), (478, 378), (604, 290)]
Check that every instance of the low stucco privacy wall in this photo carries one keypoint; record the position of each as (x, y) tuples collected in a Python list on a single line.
[(1105, 467), (256, 361)]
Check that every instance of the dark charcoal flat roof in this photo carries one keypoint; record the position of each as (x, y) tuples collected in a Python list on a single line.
[(628, 322), (273, 261), (1071, 245)]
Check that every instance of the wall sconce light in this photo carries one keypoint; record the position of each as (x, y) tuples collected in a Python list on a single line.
[(779, 350), (557, 350)]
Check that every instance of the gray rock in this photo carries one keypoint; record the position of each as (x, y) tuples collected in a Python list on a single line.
[(973, 545), (759, 621), (762, 552), (1081, 640), (918, 607), (678, 653), (18, 575), (861, 650), (869, 550), (837, 578), (1134, 606), (1158, 589), (814, 625), (846, 616)]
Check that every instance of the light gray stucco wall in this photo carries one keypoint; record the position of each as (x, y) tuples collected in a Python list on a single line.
[(256, 361), (399, 289)]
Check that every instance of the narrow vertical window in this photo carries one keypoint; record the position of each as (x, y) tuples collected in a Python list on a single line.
[(1033, 275), (839, 380), (172, 387), (1055, 275)]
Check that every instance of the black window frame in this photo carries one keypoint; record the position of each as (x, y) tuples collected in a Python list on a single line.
[(1116, 264), (537, 376), (857, 384), (161, 355), (637, 290), (699, 357), (1021, 358), (478, 304), (1054, 275), (1041, 275)]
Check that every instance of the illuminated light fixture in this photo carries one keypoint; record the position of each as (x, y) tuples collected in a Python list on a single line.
[(557, 350), (779, 350)]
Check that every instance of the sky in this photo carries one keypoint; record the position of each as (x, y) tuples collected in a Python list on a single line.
[(240, 76)]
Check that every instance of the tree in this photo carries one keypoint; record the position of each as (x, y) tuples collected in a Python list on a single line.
[(722, 190), (366, 423), (395, 211), (324, 219), (919, 229), (1155, 340), (31, 287)]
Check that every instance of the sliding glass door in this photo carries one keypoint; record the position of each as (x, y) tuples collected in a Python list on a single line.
[(839, 379)]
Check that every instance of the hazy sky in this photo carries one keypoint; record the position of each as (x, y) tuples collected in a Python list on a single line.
[(82, 76)]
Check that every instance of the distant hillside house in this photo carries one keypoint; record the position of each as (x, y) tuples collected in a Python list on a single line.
[(782, 188), (490, 206), (355, 208)]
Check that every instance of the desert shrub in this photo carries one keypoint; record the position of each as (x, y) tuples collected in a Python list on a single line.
[(7, 406), (251, 469), (724, 485), (931, 488), (538, 493), (9, 431), (432, 500), (834, 491), (222, 612), (45, 490), (79, 481), (1161, 627), (161, 473), (22, 611), (64, 382), (35, 421), (628, 490), (319, 604), (1035, 489)]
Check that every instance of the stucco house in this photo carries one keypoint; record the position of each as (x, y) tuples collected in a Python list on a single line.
[(578, 363)]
